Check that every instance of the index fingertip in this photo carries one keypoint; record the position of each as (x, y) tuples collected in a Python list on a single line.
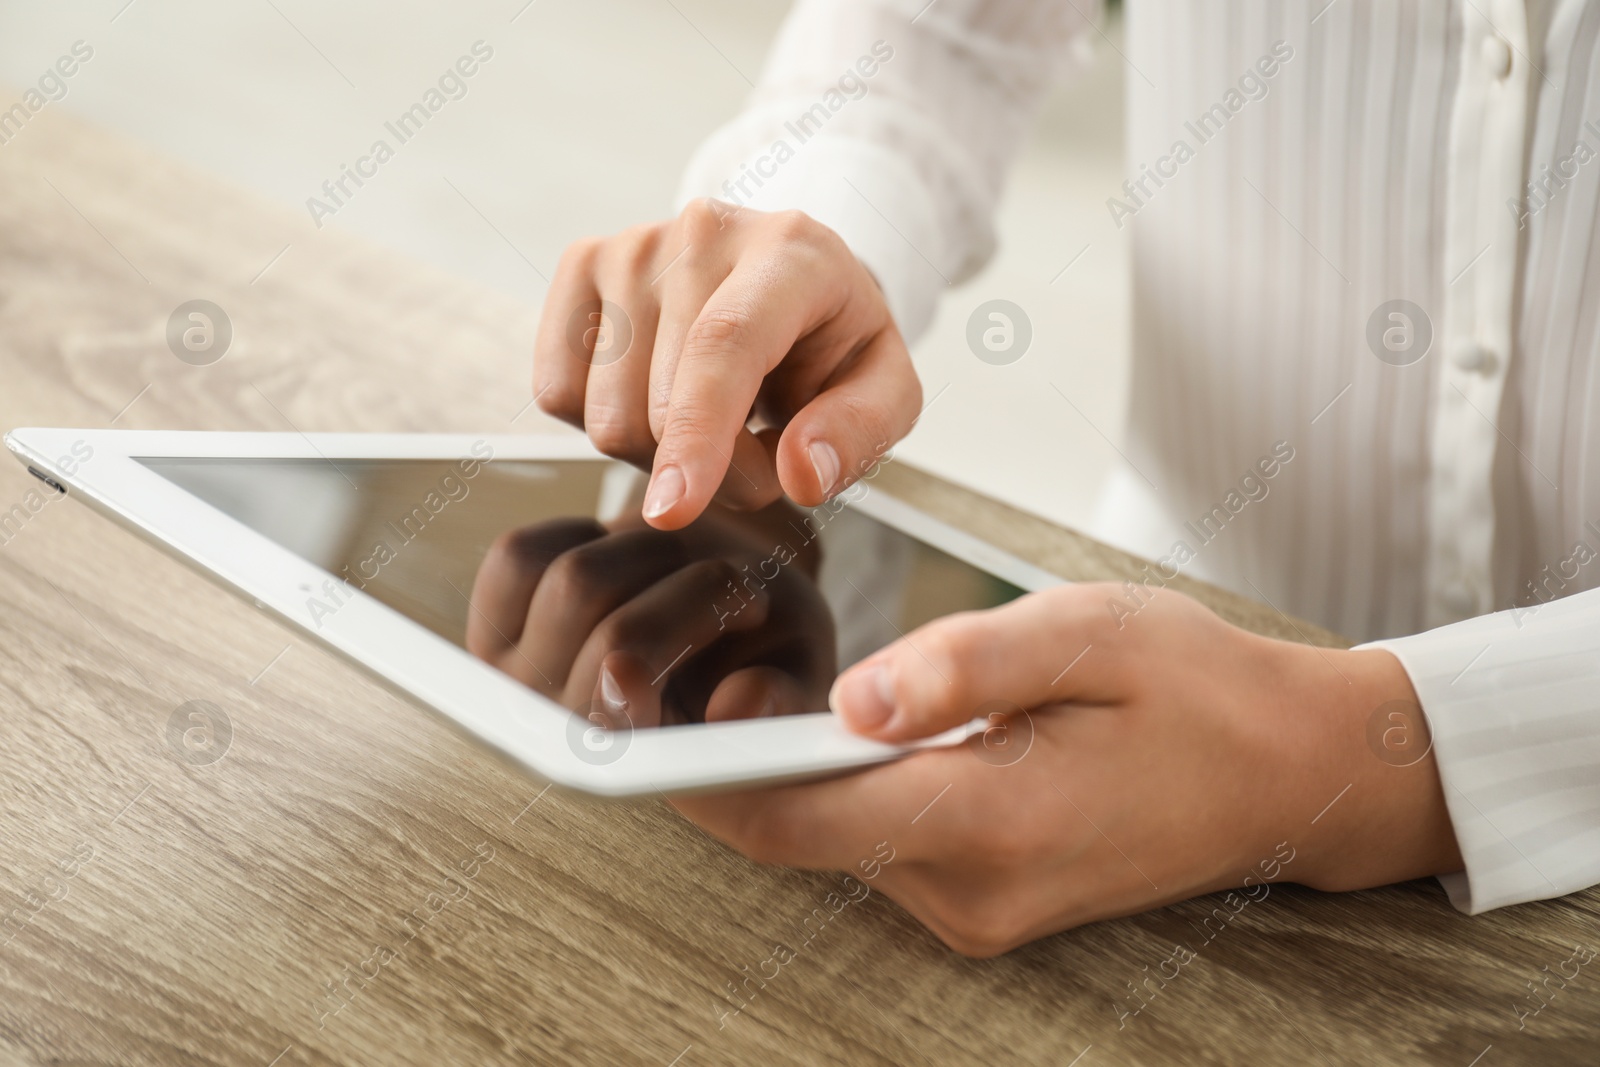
[(668, 487)]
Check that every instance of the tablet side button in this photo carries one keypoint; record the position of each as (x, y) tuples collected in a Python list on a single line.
[(46, 479)]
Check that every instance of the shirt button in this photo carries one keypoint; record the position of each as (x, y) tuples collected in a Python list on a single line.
[(1475, 357), (1459, 599), (1496, 56)]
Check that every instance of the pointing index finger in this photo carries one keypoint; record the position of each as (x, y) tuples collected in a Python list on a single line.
[(745, 329)]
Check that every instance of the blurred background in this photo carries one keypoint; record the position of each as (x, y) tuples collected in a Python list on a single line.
[(581, 124)]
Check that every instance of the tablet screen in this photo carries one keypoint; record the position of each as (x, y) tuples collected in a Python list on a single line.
[(546, 571)]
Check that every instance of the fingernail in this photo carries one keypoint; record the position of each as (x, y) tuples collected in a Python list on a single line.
[(666, 489), (611, 692), (865, 697), (825, 461)]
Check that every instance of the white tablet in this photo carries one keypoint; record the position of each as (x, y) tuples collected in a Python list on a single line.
[(507, 583)]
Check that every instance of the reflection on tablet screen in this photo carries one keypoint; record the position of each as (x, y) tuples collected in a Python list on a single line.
[(547, 571)]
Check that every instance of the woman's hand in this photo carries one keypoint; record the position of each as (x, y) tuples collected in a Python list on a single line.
[(1137, 755), (637, 627), (740, 354)]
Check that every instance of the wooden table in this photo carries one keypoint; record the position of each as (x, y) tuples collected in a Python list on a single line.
[(169, 912)]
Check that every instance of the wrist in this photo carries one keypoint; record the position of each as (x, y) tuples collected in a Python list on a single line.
[(1372, 800)]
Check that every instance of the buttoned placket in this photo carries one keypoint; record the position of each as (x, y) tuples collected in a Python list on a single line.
[(1473, 333)]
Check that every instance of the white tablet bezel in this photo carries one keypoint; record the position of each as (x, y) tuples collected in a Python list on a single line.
[(101, 468)]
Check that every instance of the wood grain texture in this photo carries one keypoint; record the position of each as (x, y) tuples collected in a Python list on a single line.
[(167, 912)]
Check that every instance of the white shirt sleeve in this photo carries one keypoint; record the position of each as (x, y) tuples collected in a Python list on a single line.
[(894, 123), (1513, 703)]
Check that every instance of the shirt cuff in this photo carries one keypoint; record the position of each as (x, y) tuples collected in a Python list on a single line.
[(869, 195), (1513, 703)]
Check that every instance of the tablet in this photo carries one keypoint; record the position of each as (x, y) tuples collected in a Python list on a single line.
[(508, 584)]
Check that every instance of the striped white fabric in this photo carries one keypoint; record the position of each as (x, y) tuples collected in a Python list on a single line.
[(1366, 236)]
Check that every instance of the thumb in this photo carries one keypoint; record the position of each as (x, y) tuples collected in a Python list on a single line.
[(1028, 653)]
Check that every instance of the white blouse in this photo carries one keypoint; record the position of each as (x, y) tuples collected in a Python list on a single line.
[(1364, 235)]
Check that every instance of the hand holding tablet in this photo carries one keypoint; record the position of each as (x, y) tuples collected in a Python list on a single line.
[(1136, 762)]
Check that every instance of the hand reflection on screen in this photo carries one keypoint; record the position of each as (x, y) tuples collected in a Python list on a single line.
[(633, 626)]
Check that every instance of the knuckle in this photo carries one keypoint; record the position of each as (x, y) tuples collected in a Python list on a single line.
[(630, 253), (873, 421), (796, 226), (986, 935), (704, 219), (718, 331), (684, 267), (1104, 627), (687, 425), (580, 255), (622, 629), (507, 553), (575, 573), (711, 573), (945, 646), (562, 401), (1093, 611), (532, 549), (982, 926), (614, 434)]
